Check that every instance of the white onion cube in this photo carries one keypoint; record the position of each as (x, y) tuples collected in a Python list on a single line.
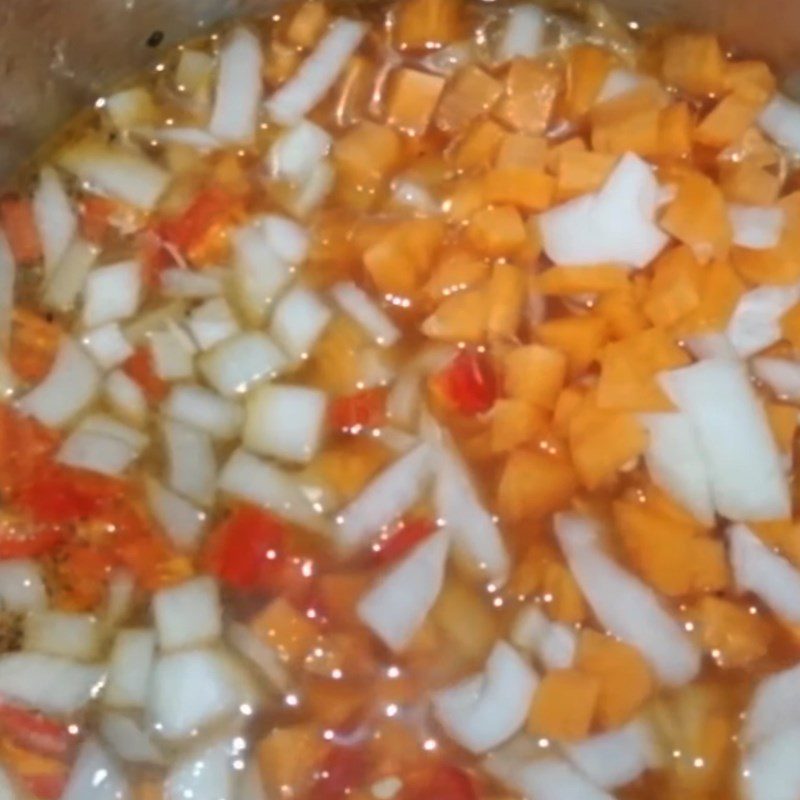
[(299, 319), (112, 293), (21, 586), (173, 354), (108, 345), (63, 633), (219, 417), (189, 614), (129, 668), (212, 322), (297, 151), (182, 522), (236, 364)]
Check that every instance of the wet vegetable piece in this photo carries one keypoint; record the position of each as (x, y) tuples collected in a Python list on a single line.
[(401, 403)]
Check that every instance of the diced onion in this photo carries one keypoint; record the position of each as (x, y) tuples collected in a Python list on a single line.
[(180, 282), (192, 466), (182, 522), (193, 71), (203, 775), (731, 427), (756, 227), (188, 615), (130, 107), (676, 463), (129, 668), (771, 771), (21, 586), (119, 598), (96, 775), (297, 151), (781, 120), (127, 739), (398, 604), (523, 33), (146, 324), (615, 758), (710, 345), (48, 683), (126, 397), (189, 137), (56, 220), (100, 444), (358, 305), (299, 319), (315, 189), (69, 387), (8, 274), (285, 422), (123, 172), (407, 192), (173, 353), (618, 82), (8, 790), (63, 633), (755, 322), (219, 417), (757, 569), (553, 643), (190, 690), (487, 709), (625, 605), (238, 92), (614, 225), (258, 652), (782, 375), (66, 280), (108, 345), (288, 239), (317, 74), (385, 499), (775, 706), (249, 478), (212, 322), (235, 365)]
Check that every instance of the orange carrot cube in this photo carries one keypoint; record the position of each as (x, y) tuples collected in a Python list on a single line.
[(790, 326), (454, 274), (582, 171), (734, 636), (347, 466), (528, 188), (675, 288), (676, 127), (281, 626), (586, 280), (531, 89), (289, 756), (708, 565), (535, 373), (578, 338), (19, 224), (694, 63), (308, 24), (562, 596), (564, 705), (751, 80), (630, 122), (465, 197), (522, 150), (470, 93), (506, 298), (497, 231), (411, 99), (354, 90), (420, 23), (479, 145), (748, 183), (727, 121), (459, 318), (587, 68), (720, 291), (783, 423), (367, 153), (514, 423)]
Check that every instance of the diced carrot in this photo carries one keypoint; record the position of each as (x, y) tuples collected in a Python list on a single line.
[(465, 620), (364, 409), (332, 703), (513, 423), (751, 80), (568, 402), (624, 677), (698, 216), (582, 171), (534, 484), (749, 183), (782, 534), (367, 154), (288, 757), (497, 231), (622, 310), (455, 273), (561, 596), (522, 150), (783, 423), (461, 317), (528, 573), (418, 23), (675, 131), (282, 61), (601, 442), (33, 345), (337, 595), (708, 565), (281, 626), (790, 326), (727, 121), (19, 224), (628, 369), (412, 98), (535, 374), (586, 280), (720, 292), (574, 144), (140, 367), (148, 789), (43, 777), (730, 633), (564, 705), (675, 288), (578, 338), (506, 294), (470, 93), (307, 24), (528, 188), (95, 216), (354, 92), (630, 122), (478, 147), (530, 92), (587, 68), (464, 197), (347, 466), (694, 63)]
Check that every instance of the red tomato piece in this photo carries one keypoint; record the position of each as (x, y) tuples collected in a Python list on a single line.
[(342, 771), (140, 368), (27, 539), (46, 786), (246, 550), (468, 383), (441, 780), (35, 731), (365, 409), (406, 535), (19, 223)]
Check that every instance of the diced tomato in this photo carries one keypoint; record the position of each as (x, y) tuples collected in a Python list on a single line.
[(25, 447), (46, 787), (407, 534), (140, 367), (365, 409), (19, 223), (246, 550), (27, 539), (82, 570), (34, 345), (468, 383), (95, 217), (343, 770), (43, 776), (442, 781), (34, 731)]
